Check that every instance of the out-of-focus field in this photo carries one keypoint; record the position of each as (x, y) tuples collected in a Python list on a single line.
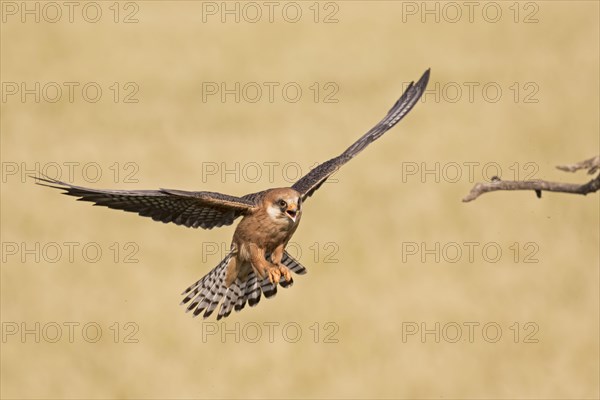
[(519, 324)]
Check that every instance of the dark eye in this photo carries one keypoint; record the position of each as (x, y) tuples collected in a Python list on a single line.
[(282, 203)]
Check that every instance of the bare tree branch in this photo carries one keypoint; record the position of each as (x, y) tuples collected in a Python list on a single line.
[(592, 165)]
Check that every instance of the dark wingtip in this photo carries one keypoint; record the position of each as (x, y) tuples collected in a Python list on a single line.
[(424, 79), (44, 180)]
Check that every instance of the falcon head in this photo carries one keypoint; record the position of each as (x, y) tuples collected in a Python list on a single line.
[(283, 205)]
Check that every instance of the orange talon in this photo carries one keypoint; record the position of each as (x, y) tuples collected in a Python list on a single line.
[(285, 272)]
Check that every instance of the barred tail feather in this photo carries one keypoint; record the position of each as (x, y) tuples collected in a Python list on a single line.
[(241, 301), (253, 291), (293, 264), (268, 289), (206, 294), (201, 288), (231, 298), (213, 300)]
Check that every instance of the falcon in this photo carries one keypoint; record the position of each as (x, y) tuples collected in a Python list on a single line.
[(257, 261)]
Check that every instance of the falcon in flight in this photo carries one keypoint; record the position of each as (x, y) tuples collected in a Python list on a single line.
[(257, 261)]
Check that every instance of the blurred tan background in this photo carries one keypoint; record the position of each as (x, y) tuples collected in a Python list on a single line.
[(354, 234)]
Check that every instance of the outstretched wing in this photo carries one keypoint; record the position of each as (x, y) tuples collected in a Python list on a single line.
[(192, 209), (317, 176)]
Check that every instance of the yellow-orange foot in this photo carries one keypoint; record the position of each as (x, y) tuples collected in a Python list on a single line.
[(285, 272), (274, 274)]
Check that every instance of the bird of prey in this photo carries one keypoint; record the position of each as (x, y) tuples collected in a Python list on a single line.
[(257, 260)]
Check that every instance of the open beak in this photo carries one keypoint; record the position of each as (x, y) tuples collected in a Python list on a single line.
[(292, 212)]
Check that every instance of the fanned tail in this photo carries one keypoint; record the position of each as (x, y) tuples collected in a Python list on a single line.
[(206, 294)]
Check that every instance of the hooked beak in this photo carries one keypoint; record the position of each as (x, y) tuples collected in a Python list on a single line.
[(292, 212)]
